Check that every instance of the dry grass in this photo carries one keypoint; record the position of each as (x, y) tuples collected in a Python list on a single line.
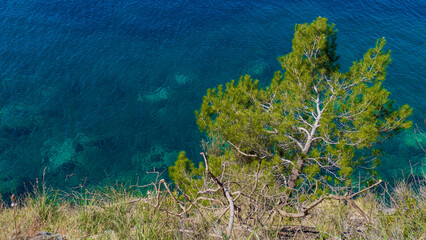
[(394, 213), (117, 213)]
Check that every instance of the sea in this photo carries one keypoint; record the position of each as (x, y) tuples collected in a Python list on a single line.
[(104, 91)]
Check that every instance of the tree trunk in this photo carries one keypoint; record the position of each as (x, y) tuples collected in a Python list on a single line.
[(294, 176)]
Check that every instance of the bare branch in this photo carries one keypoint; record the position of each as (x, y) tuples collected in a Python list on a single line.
[(304, 129), (306, 209), (227, 196), (231, 214), (256, 178), (294, 140), (242, 153)]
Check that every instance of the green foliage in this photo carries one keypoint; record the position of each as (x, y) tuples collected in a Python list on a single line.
[(45, 201), (310, 111), (185, 175)]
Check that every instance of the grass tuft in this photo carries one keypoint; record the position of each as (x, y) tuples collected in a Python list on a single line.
[(118, 212)]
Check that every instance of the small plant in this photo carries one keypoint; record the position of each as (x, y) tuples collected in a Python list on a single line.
[(44, 202), (13, 205)]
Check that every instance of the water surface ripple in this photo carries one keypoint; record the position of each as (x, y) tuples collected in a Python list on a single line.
[(105, 90)]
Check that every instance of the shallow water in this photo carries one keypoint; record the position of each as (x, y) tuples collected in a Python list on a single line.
[(97, 91)]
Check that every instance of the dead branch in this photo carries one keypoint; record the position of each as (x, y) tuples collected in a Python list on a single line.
[(241, 152), (348, 198), (257, 178), (231, 214), (227, 196)]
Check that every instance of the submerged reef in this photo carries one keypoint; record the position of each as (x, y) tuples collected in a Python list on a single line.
[(157, 159)]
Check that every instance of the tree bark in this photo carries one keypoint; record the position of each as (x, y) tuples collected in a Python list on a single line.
[(294, 176)]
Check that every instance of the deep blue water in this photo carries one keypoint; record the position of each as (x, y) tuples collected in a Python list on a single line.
[(97, 91)]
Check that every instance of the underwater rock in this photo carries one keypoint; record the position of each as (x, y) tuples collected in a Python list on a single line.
[(158, 95), (14, 133), (395, 164), (413, 140), (157, 158), (18, 117), (55, 154), (68, 155), (9, 183), (258, 68), (181, 79)]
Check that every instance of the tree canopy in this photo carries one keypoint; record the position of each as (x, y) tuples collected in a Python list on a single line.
[(312, 127)]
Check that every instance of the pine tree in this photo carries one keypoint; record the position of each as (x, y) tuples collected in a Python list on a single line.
[(314, 126)]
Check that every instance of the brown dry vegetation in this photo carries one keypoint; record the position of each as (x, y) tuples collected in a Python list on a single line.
[(118, 212)]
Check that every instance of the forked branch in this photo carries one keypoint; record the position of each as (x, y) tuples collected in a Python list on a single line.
[(306, 209)]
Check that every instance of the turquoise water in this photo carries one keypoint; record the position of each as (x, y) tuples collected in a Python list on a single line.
[(97, 91)]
